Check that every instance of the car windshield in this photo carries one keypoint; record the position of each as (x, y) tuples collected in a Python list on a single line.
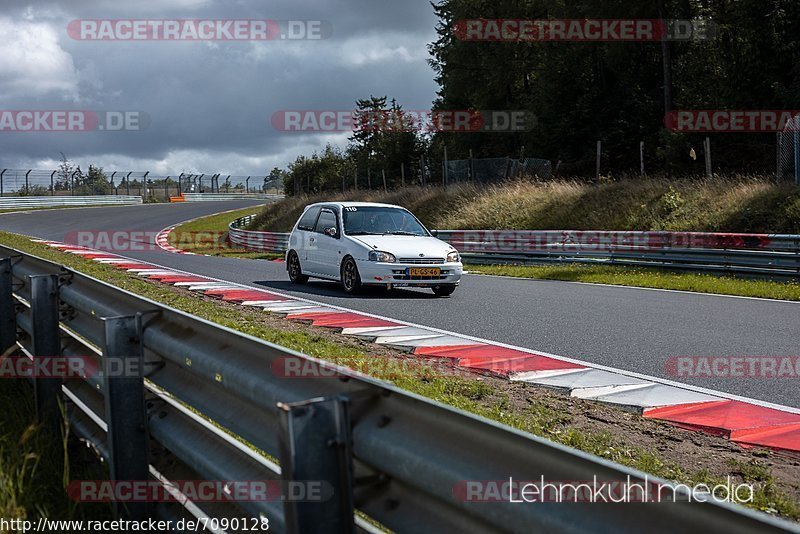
[(374, 220)]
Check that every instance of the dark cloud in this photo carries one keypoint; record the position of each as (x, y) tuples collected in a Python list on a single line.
[(209, 103)]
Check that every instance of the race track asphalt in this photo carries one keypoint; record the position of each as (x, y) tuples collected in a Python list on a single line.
[(626, 328)]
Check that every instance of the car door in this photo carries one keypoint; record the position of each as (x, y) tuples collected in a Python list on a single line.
[(303, 238), (324, 257)]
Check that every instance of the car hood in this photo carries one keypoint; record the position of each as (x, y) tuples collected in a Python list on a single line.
[(403, 246)]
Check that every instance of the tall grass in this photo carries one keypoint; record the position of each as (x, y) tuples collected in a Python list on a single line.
[(36, 466), (732, 204)]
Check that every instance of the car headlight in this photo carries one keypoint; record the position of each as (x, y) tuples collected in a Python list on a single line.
[(382, 257), (453, 257)]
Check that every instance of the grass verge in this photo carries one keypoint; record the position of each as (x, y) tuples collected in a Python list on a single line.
[(32, 466), (608, 432), (208, 235), (735, 204), (647, 278)]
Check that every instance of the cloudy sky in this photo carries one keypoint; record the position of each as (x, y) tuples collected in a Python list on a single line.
[(209, 103)]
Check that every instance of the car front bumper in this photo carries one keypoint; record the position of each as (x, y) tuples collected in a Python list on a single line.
[(396, 274)]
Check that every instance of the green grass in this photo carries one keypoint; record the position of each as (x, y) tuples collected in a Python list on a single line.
[(648, 278), (208, 235), (416, 376), (32, 464)]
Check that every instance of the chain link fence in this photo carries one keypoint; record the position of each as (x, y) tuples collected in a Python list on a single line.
[(40, 182), (789, 151), (493, 170)]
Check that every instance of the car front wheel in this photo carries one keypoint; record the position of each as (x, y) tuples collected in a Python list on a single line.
[(444, 291), (351, 280), (296, 275)]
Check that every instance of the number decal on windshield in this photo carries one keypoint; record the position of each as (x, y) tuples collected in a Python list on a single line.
[(351, 209)]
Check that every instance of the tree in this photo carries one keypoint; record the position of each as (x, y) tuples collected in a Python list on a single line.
[(95, 182), (63, 174), (386, 139)]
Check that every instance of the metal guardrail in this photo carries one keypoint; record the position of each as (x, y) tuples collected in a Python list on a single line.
[(210, 407), (47, 202), (759, 255), (214, 197), (270, 242)]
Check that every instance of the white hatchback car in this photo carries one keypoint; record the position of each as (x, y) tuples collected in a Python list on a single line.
[(360, 244)]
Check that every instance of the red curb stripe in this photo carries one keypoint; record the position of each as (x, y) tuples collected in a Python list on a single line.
[(162, 277), (508, 366), (353, 321), (784, 437), (300, 316), (446, 351), (724, 418)]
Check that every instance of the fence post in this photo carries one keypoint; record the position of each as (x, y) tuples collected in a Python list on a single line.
[(599, 154), (471, 166), (355, 178), (166, 189), (707, 150), (796, 134), (316, 446), (247, 185), (8, 316), (46, 344), (126, 414), (145, 193), (72, 183), (402, 174), (128, 183), (444, 168), (27, 185), (641, 159), (383, 174), (422, 170), (1, 181), (52, 184)]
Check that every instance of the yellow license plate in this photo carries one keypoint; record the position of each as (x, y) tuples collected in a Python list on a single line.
[(424, 271)]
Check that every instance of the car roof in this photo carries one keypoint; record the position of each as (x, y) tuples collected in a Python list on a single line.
[(343, 204)]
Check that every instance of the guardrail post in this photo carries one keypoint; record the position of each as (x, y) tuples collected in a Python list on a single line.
[(316, 450), (126, 414), (8, 318), (46, 344)]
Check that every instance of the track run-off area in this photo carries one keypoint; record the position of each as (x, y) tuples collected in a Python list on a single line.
[(636, 330)]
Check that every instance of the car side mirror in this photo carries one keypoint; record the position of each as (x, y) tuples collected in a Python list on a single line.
[(330, 231), (435, 233)]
